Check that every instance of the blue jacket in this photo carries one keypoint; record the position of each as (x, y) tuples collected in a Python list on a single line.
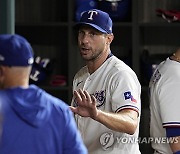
[(35, 122)]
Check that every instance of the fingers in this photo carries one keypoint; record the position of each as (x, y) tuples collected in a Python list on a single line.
[(83, 97), (77, 96), (73, 109), (86, 104), (93, 100), (88, 97)]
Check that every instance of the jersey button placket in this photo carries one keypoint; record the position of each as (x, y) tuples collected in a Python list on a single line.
[(82, 119), (81, 125), (87, 83)]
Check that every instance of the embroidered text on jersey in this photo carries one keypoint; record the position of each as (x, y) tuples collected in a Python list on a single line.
[(155, 78)]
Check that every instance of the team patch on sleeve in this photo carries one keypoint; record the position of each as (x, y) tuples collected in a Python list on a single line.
[(127, 96)]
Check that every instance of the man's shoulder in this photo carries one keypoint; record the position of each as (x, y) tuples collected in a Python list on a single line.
[(83, 70), (120, 67), (165, 70), (81, 73), (56, 101)]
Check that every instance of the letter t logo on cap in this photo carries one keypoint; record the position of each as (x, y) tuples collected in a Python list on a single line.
[(91, 14)]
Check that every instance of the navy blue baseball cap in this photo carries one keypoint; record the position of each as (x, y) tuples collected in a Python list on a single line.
[(98, 19), (15, 50)]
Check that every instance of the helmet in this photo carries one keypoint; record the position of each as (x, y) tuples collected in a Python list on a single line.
[(41, 70)]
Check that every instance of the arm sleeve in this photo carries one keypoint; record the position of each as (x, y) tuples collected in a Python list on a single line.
[(170, 105), (172, 131), (125, 91), (72, 140)]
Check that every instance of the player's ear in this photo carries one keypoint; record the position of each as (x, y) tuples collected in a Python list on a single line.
[(110, 38)]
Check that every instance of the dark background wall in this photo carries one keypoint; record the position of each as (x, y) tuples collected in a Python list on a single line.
[(141, 39)]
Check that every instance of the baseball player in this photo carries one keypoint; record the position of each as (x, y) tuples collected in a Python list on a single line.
[(34, 122), (106, 99), (165, 105)]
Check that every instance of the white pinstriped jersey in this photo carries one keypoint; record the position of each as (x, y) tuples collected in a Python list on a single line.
[(116, 87), (164, 102)]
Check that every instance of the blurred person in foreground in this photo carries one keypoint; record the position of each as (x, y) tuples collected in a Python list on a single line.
[(34, 122)]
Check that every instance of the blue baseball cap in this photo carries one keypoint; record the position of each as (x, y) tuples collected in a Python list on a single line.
[(98, 19), (15, 50)]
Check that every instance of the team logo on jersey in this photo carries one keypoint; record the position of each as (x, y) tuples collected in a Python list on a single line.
[(127, 95), (100, 97), (79, 83)]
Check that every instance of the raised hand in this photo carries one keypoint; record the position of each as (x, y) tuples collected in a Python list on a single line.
[(86, 104)]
